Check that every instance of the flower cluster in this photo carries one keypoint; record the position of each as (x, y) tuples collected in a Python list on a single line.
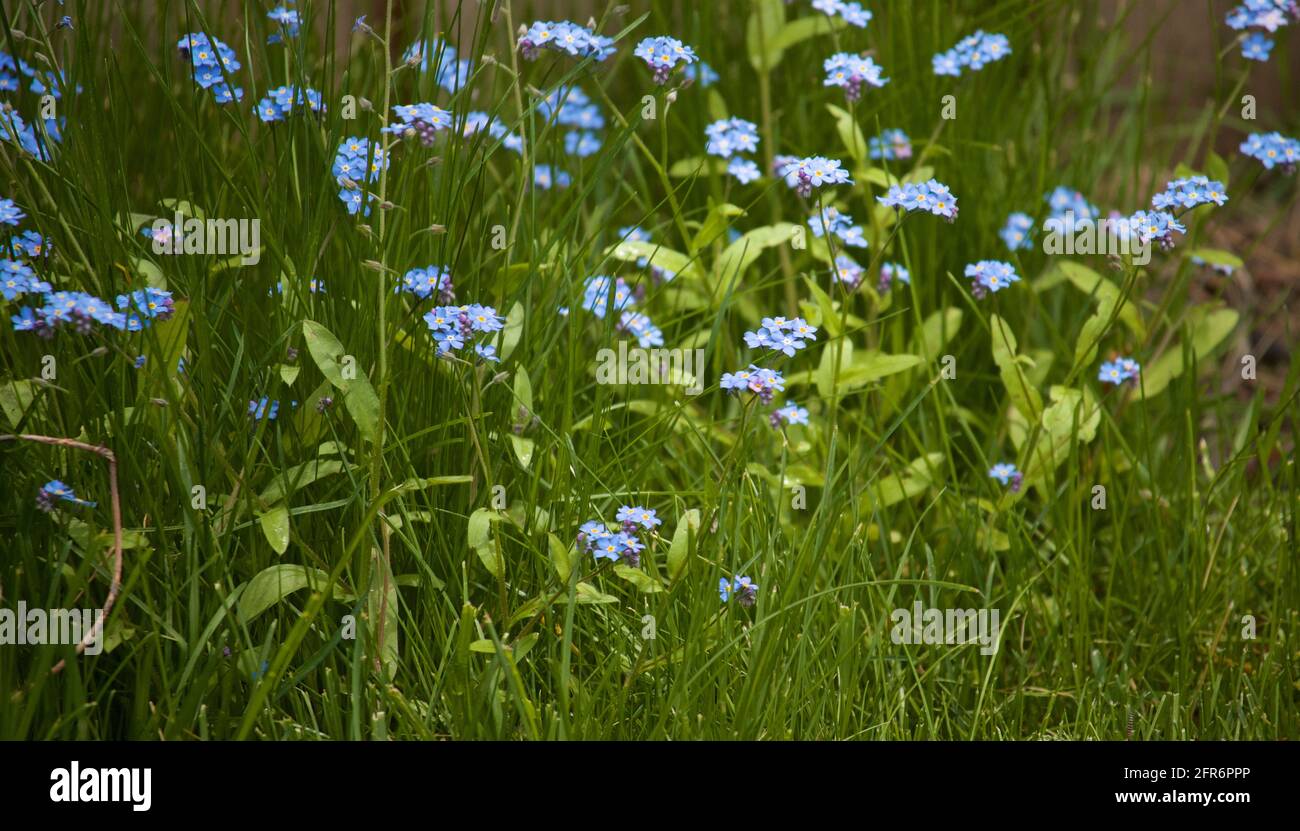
[(212, 62), (545, 178), (890, 145), (742, 588), (932, 196), (624, 545), (847, 272), (973, 53), (850, 72), (419, 120), (782, 335), (451, 74), (804, 175), (1118, 371), (889, 272), (850, 12), (10, 213), (1188, 193), (731, 136), (453, 326), (29, 244), (280, 103), (599, 290), (1008, 475), (56, 490), (761, 381), (353, 166), (82, 311), (17, 279), (789, 414), (33, 142), (841, 225), (476, 121), (1068, 208), (1018, 232), (564, 36), (701, 73), (288, 20), (1273, 149), (570, 107), (640, 327), (423, 282), (662, 54), (1262, 16), (1156, 226), (990, 276), (263, 408)]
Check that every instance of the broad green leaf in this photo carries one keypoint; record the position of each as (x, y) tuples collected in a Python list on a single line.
[(762, 31), (1090, 334), (742, 253), (275, 525), (646, 583), (799, 30), (1014, 378), (1215, 256), (715, 225), (484, 543), (913, 481), (1205, 335), (271, 584), (289, 373), (680, 549), (872, 366), (16, 399), (342, 371), (655, 254), (830, 318), (512, 331), (299, 476), (825, 376), (562, 557), (855, 144), (1091, 283), (697, 166)]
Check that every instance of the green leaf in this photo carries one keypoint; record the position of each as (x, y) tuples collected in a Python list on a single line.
[(1215, 256), (299, 476), (872, 366), (1091, 283), (1206, 334), (679, 550), (742, 253), (16, 399), (289, 373), (562, 557), (830, 318), (275, 525), (913, 481), (761, 33), (797, 31), (644, 582), (678, 263), (1216, 168), (825, 376), (1092, 331), (272, 584), (855, 144), (184, 208), (697, 166), (358, 396), (715, 225), (484, 543), (1022, 394), (523, 447), (382, 613), (161, 360), (512, 331)]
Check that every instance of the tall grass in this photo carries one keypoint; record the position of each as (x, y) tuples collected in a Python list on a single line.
[(1119, 622)]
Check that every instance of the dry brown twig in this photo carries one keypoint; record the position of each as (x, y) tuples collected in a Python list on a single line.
[(116, 584)]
